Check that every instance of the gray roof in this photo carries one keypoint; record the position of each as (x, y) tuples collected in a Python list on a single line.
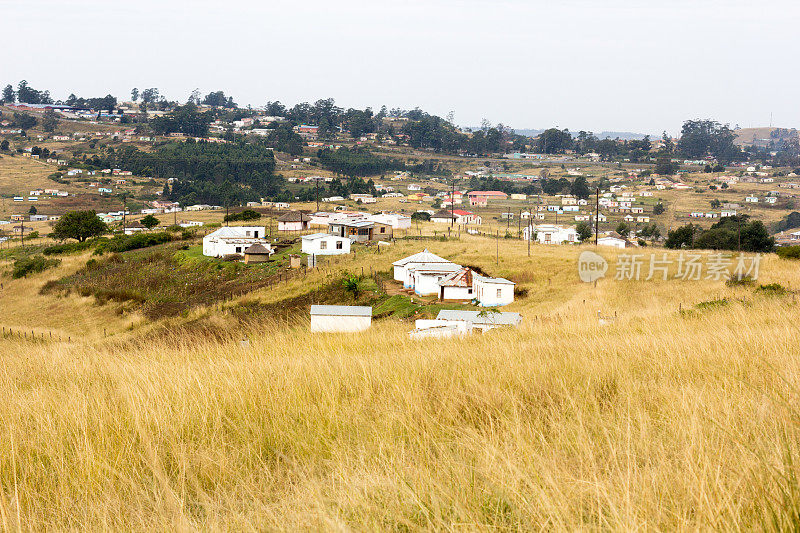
[(341, 310), (490, 318), (495, 280), (421, 257)]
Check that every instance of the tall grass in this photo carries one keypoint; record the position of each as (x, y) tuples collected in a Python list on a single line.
[(660, 420)]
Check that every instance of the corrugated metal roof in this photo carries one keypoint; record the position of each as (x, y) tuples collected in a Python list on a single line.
[(479, 317), (341, 310), (421, 257)]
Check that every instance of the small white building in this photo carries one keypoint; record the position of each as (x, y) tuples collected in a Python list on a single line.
[(492, 292), (458, 286), (442, 329), (325, 244), (340, 318), (395, 220), (232, 240), (552, 234), (424, 278), (401, 266), (613, 239)]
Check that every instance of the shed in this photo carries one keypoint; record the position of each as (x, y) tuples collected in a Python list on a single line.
[(257, 253), (340, 318)]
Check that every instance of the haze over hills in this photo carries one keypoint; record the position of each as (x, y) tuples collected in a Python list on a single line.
[(624, 135)]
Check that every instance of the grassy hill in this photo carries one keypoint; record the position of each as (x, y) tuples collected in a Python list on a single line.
[(678, 414)]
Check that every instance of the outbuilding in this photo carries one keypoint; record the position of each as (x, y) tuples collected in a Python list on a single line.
[(325, 244), (257, 253)]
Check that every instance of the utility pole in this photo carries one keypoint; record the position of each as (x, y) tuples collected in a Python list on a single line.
[(530, 229), (124, 211), (317, 187), (597, 216), (497, 240), (452, 201)]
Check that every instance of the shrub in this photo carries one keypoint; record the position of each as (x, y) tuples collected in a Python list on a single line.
[(68, 248), (124, 243), (247, 214), (789, 252), (772, 289), (32, 265)]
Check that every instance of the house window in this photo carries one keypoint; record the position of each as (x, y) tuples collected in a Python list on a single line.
[(255, 234), (339, 245), (247, 233), (323, 245), (499, 293), (383, 230), (238, 249)]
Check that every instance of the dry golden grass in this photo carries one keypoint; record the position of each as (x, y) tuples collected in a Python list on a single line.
[(658, 421)]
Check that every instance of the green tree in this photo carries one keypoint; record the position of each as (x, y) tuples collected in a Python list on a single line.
[(32, 210), (79, 225), (134, 94), (658, 209), (149, 222), (664, 165), (584, 231), (5, 145), (9, 95), (623, 229), (580, 188), (49, 121)]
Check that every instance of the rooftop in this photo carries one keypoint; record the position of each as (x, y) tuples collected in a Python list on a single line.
[(481, 317), (341, 310)]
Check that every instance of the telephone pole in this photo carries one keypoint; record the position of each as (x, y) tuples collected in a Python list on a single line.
[(452, 201), (317, 189), (597, 216)]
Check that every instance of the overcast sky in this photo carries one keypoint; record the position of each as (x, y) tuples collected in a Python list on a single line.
[(633, 65)]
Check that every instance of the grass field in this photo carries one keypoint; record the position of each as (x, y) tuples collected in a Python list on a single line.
[(680, 414)]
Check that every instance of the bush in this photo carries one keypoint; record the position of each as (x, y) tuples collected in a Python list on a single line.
[(772, 289), (68, 248), (124, 243), (33, 235), (789, 252), (32, 265), (247, 214)]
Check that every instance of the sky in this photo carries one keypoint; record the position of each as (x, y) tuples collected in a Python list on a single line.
[(614, 65)]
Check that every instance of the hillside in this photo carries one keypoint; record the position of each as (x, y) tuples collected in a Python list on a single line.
[(677, 412), (763, 136)]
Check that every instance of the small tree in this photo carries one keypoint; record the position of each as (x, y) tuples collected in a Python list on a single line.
[(79, 225), (584, 231), (150, 222), (350, 284), (658, 209), (623, 229), (32, 210)]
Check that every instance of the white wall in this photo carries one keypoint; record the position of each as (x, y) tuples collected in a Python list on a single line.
[(487, 294), (400, 274), (611, 241), (314, 246), (458, 293), (290, 226), (323, 323), (427, 284)]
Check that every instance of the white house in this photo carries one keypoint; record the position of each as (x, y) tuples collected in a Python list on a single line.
[(751, 199), (325, 244), (340, 318), (551, 234), (425, 277), (458, 286), (395, 220), (492, 292), (401, 266), (232, 240), (293, 221), (613, 239)]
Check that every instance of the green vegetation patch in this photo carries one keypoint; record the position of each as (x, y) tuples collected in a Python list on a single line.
[(26, 266)]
